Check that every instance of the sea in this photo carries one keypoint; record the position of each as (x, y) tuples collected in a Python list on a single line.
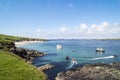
[(83, 51)]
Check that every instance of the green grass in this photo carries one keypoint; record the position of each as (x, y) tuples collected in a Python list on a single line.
[(8, 37), (6, 40), (13, 67), (14, 38)]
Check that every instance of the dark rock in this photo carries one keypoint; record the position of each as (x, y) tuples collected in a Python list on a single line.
[(34, 53), (21, 52), (99, 71), (67, 58), (28, 55), (45, 67)]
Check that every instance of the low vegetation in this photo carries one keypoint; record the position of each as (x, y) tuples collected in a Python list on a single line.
[(17, 38), (13, 67), (6, 41)]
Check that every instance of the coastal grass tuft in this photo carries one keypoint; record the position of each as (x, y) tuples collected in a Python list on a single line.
[(13, 67)]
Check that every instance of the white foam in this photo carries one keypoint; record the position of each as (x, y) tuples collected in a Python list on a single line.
[(107, 57), (98, 58), (72, 64)]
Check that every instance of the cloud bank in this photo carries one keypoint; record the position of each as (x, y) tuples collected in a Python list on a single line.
[(83, 31), (93, 31)]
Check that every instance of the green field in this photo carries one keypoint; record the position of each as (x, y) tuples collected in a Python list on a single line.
[(13, 67)]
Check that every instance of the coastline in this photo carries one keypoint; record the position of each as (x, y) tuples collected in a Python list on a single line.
[(26, 54), (25, 42), (60, 75)]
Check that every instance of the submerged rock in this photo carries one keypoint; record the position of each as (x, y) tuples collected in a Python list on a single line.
[(92, 72)]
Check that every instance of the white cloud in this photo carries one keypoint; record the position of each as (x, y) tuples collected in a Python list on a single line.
[(104, 30), (82, 28), (63, 29), (38, 30), (98, 29), (105, 24), (92, 29)]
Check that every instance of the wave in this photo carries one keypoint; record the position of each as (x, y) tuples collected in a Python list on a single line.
[(90, 58), (107, 57), (73, 63), (98, 58)]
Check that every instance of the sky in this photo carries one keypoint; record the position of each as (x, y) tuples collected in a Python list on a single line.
[(60, 19)]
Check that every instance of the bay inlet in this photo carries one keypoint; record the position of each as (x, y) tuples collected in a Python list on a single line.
[(82, 50)]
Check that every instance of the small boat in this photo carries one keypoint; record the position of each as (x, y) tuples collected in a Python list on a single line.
[(115, 56), (100, 50), (74, 61), (59, 46)]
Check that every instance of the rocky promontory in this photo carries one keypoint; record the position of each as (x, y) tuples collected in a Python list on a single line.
[(27, 55), (99, 71)]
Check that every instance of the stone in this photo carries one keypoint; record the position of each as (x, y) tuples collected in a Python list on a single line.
[(97, 71), (45, 67)]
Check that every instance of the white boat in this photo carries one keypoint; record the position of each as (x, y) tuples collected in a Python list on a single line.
[(59, 46), (100, 50), (74, 62)]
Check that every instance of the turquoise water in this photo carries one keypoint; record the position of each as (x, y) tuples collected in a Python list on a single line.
[(82, 50)]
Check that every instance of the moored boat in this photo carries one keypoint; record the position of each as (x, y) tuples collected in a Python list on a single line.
[(100, 50)]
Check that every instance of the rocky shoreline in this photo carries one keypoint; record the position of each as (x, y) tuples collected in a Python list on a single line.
[(27, 55), (99, 71)]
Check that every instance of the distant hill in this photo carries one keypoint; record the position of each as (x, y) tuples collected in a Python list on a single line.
[(111, 39), (15, 38), (7, 40)]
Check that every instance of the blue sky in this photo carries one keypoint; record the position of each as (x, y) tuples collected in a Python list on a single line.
[(60, 18)]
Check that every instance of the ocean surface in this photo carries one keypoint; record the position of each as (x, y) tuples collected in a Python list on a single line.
[(84, 51)]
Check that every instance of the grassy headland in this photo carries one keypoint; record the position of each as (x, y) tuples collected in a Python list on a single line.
[(6, 41), (13, 67), (17, 38)]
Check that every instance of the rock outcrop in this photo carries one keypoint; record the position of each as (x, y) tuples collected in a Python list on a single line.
[(34, 53), (45, 67), (97, 71), (28, 55)]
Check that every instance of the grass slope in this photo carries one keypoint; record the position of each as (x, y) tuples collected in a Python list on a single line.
[(14, 38), (6, 41), (13, 67), (8, 37)]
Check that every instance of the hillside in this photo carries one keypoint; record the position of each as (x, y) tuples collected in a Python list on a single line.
[(7, 37), (15, 38), (13, 67), (7, 41)]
